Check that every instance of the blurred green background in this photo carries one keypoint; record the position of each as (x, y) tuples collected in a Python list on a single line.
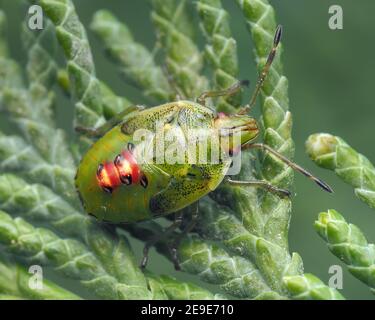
[(331, 78)]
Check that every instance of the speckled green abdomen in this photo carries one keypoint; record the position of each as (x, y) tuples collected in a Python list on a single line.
[(116, 184)]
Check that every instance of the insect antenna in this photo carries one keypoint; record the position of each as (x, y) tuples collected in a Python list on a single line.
[(263, 74), (290, 163)]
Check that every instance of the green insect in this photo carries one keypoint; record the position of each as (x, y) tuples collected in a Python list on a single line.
[(115, 184)]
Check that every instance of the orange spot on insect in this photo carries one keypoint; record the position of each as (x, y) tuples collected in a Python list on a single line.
[(107, 176), (124, 169), (127, 167)]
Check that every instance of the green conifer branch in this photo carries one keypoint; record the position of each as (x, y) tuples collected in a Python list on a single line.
[(73, 39), (136, 62), (210, 261), (14, 283), (252, 225), (38, 206), (9, 297), (19, 157), (220, 223), (183, 59), (260, 230), (309, 287), (259, 226), (221, 50), (276, 118), (31, 109), (91, 107), (235, 275), (10, 75), (68, 256), (27, 106), (347, 242), (43, 246), (355, 169), (37, 203), (4, 51), (178, 290), (41, 67)]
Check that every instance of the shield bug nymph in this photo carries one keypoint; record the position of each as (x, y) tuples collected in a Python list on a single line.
[(116, 185)]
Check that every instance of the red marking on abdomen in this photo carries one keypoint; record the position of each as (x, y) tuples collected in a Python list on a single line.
[(108, 177), (135, 171), (123, 170)]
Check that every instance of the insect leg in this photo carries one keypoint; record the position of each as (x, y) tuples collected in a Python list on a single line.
[(261, 184), (100, 131), (176, 223), (290, 163), (262, 76), (226, 92), (185, 231)]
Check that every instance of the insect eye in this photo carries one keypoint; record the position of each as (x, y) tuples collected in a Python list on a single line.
[(126, 179), (99, 170)]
